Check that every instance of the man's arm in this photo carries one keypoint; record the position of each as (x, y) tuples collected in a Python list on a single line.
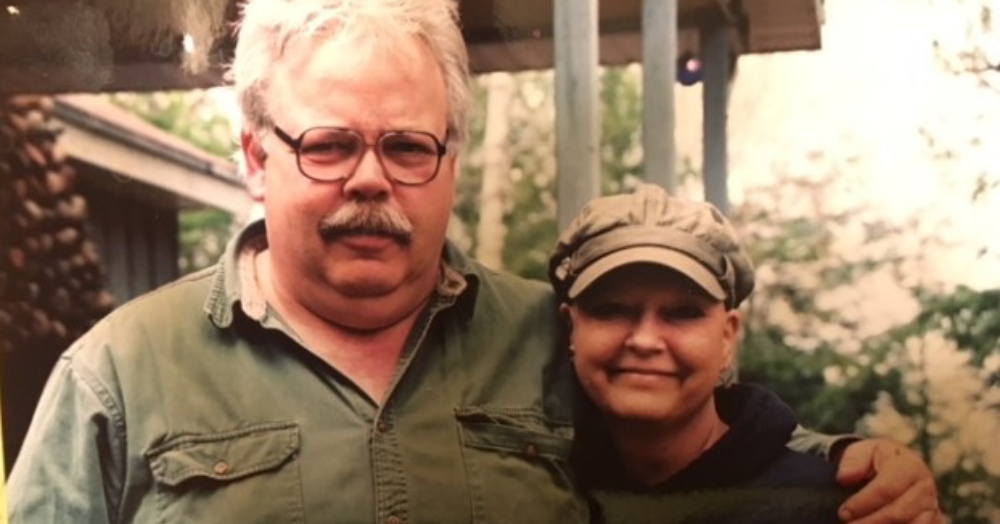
[(808, 441), (895, 483), (61, 473), (901, 486)]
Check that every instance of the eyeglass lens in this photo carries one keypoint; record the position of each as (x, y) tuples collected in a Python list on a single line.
[(331, 154)]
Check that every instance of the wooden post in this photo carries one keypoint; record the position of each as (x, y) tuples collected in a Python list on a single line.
[(659, 71), (3, 476), (715, 55), (577, 106)]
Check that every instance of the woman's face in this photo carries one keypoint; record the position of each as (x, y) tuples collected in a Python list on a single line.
[(650, 345)]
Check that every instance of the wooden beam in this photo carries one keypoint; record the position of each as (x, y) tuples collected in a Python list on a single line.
[(61, 46), (577, 106), (783, 25)]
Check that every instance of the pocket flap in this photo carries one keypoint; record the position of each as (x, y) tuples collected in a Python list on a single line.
[(224, 456), (525, 433)]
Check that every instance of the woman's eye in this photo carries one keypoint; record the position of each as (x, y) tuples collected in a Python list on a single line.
[(683, 313), (608, 310)]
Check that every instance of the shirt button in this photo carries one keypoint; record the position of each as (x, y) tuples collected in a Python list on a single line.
[(393, 520), (383, 426), (531, 450), (221, 467)]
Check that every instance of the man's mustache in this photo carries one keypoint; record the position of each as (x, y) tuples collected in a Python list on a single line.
[(359, 218)]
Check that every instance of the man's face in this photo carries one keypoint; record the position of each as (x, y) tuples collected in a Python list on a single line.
[(321, 83), (649, 345)]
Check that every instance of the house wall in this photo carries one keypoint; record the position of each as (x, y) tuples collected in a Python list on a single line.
[(138, 240)]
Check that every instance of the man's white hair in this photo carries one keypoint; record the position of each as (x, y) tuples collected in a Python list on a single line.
[(266, 28)]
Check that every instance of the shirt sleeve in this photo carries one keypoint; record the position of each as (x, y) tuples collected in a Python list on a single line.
[(70, 466), (827, 446)]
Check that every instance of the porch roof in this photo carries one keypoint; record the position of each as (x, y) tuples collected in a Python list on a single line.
[(66, 46)]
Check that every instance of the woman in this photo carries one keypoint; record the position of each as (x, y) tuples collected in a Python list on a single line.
[(650, 286)]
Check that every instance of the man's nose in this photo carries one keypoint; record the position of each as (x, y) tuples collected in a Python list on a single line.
[(369, 180)]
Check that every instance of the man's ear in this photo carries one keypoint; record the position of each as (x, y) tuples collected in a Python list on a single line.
[(253, 161), (450, 162)]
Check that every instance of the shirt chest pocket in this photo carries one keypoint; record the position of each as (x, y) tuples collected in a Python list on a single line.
[(225, 477), (517, 464)]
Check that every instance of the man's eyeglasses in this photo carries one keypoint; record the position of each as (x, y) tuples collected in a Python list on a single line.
[(331, 154)]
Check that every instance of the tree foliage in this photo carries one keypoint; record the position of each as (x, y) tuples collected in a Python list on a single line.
[(530, 216), (945, 396)]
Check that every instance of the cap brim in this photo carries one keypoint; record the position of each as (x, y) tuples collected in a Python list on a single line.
[(669, 258)]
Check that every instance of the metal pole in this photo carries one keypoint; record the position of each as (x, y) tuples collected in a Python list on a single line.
[(659, 70), (577, 106), (715, 54)]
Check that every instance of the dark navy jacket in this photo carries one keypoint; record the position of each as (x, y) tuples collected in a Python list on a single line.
[(748, 477)]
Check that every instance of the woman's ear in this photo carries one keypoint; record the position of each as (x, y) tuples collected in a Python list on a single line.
[(731, 332), (566, 315), (253, 162)]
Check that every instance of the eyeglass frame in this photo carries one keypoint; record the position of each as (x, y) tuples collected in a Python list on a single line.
[(296, 145)]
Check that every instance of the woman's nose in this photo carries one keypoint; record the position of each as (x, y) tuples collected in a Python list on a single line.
[(646, 336)]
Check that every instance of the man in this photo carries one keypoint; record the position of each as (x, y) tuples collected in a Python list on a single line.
[(343, 363)]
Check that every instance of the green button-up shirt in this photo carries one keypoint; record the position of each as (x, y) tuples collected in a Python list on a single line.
[(180, 409)]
